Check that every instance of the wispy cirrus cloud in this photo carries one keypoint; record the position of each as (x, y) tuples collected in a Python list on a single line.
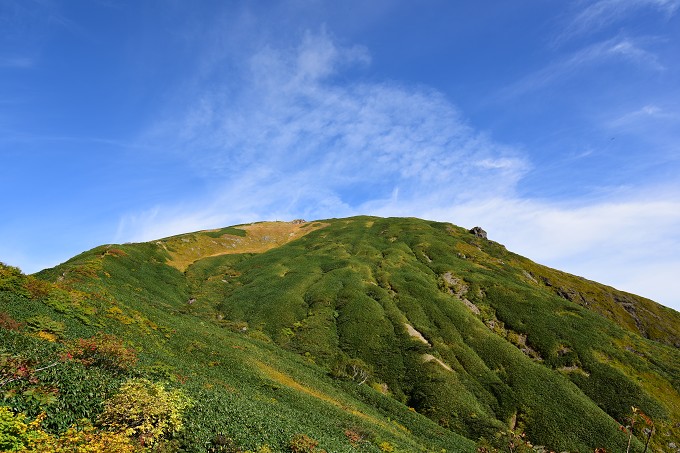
[(592, 34), (295, 139), (646, 113), (569, 66), (592, 17)]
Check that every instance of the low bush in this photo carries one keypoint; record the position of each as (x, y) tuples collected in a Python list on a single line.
[(18, 436), (14, 432), (105, 351), (12, 279), (145, 410), (9, 323), (302, 443), (45, 324)]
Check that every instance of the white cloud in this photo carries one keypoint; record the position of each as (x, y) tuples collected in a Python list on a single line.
[(572, 65), (594, 16), (291, 137), (630, 243), (294, 142), (646, 113), (655, 127)]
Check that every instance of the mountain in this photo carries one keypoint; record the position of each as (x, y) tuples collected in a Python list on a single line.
[(361, 334)]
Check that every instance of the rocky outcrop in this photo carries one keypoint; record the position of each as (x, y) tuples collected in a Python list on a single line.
[(458, 288), (479, 232)]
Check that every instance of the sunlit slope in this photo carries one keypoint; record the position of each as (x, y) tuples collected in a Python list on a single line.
[(247, 393), (474, 337)]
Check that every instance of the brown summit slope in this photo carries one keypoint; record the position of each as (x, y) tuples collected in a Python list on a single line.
[(259, 237)]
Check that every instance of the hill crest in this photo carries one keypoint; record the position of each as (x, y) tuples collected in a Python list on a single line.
[(371, 314)]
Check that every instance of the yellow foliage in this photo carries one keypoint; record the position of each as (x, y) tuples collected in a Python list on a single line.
[(13, 430), (386, 447), (85, 439), (145, 410), (18, 436), (46, 336)]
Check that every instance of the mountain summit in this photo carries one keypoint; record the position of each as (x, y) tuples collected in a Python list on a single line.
[(360, 334)]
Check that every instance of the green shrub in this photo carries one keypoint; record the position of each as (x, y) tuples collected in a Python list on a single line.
[(11, 279), (45, 324), (145, 410)]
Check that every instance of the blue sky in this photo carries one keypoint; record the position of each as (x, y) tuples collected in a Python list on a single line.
[(553, 125)]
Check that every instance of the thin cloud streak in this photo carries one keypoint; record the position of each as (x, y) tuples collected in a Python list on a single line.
[(293, 128), (604, 13), (646, 113), (565, 68)]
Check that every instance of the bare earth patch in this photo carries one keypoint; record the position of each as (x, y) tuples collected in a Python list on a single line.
[(260, 237), (415, 334), (430, 358), (458, 289)]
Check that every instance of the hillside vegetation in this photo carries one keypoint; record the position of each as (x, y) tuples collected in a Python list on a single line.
[(359, 334)]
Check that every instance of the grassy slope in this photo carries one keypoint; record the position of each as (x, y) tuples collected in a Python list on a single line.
[(248, 390), (351, 287), (512, 342)]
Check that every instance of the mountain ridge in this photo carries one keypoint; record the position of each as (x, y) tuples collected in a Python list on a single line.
[(428, 315)]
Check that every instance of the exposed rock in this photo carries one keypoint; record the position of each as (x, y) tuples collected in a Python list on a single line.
[(569, 294), (473, 308), (562, 350), (458, 288), (529, 276), (384, 388), (298, 221), (520, 340), (630, 306), (415, 334), (630, 349), (430, 358), (479, 232)]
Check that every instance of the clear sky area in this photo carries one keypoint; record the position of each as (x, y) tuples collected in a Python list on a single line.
[(554, 125)]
